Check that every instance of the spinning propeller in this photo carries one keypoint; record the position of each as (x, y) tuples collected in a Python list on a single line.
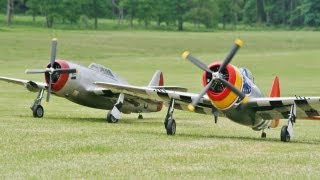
[(217, 76), (51, 69)]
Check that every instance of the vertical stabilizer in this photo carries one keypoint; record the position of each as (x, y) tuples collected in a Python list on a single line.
[(157, 79), (275, 92), (275, 88)]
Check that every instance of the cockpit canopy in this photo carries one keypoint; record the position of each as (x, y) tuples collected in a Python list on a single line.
[(246, 72), (101, 69)]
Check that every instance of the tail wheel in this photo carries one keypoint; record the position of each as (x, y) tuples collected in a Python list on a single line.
[(284, 136), (263, 135)]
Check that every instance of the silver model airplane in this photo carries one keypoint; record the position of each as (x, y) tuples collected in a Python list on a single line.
[(77, 84), (231, 92)]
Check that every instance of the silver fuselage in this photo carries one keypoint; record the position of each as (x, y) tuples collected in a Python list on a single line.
[(80, 89)]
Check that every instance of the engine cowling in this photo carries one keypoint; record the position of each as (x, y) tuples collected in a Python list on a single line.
[(220, 96), (58, 79)]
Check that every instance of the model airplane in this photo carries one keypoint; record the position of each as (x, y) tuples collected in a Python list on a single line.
[(231, 92), (76, 83)]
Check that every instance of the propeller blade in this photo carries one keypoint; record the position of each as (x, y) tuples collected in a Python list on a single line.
[(53, 51), (195, 101), (36, 71), (232, 88), (195, 61), (238, 43), (49, 88), (65, 70)]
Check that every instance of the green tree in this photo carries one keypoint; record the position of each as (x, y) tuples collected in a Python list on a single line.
[(261, 15), (10, 7), (311, 12), (203, 12), (249, 12), (96, 9), (33, 8), (146, 11), (182, 8), (72, 10), (226, 12), (130, 8), (51, 9)]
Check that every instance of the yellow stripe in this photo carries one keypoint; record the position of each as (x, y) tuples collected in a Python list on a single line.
[(191, 107), (245, 99), (185, 54), (238, 42), (232, 97)]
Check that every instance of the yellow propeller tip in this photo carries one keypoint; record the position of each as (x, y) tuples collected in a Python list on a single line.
[(238, 42), (54, 39), (191, 107), (185, 54)]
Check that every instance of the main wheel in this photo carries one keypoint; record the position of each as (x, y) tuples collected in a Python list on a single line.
[(285, 136), (111, 118), (38, 111), (171, 127)]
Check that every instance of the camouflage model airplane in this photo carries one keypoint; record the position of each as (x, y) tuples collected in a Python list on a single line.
[(231, 92)]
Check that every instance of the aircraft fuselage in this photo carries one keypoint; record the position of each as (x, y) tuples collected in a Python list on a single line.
[(79, 88)]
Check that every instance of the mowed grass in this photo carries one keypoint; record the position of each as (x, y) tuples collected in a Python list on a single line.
[(72, 141)]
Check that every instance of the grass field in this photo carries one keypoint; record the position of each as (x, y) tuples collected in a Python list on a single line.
[(75, 142)]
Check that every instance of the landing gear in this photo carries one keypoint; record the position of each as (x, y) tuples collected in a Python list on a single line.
[(169, 122), (287, 130), (263, 135), (140, 116), (114, 115), (111, 118), (37, 109), (171, 127), (285, 136)]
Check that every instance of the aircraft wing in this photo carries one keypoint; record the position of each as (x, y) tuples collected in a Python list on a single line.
[(162, 94), (30, 85), (279, 108)]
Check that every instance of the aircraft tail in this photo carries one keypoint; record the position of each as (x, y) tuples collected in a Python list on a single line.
[(157, 79), (275, 92)]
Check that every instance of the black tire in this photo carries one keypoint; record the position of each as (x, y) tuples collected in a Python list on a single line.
[(111, 119), (263, 135), (171, 127), (284, 136), (38, 111)]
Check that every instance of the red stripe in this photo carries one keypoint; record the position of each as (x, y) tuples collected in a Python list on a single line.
[(226, 91), (63, 78), (161, 81)]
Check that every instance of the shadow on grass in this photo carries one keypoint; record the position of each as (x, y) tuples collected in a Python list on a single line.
[(131, 120), (153, 121), (240, 138)]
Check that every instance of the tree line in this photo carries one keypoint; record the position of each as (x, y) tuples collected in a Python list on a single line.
[(207, 13)]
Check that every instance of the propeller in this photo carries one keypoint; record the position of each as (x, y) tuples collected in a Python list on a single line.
[(216, 76), (51, 69)]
